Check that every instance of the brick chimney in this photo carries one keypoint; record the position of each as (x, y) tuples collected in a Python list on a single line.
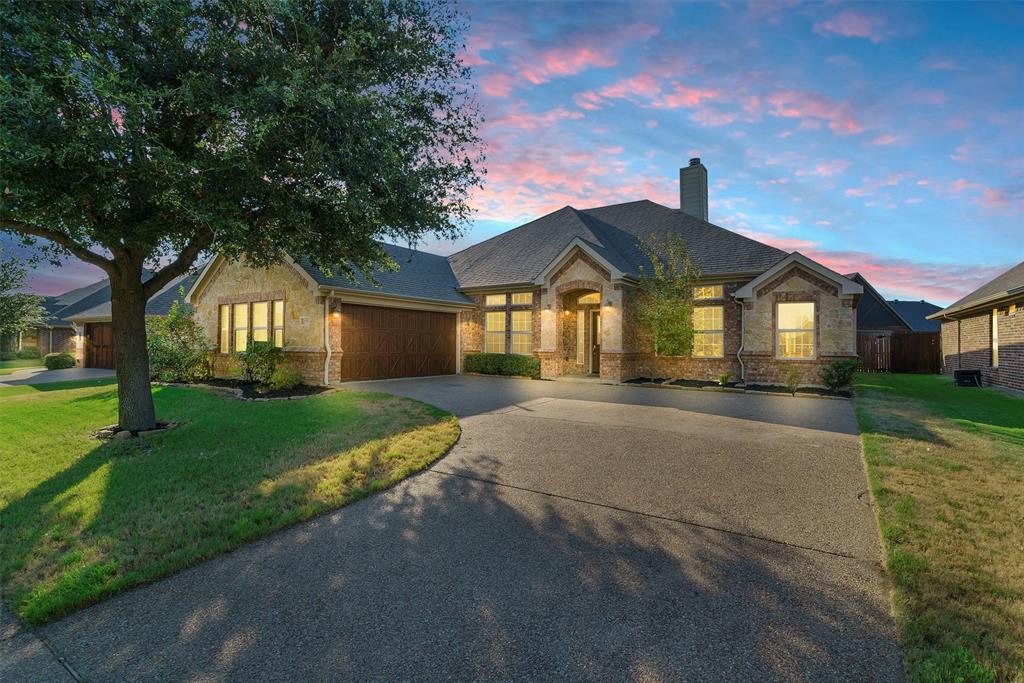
[(693, 189)]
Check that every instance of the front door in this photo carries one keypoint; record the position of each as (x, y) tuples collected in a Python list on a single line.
[(595, 343), (99, 345)]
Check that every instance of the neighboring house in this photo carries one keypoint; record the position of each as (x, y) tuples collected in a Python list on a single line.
[(985, 330), (916, 313), (561, 288), (78, 322), (874, 313)]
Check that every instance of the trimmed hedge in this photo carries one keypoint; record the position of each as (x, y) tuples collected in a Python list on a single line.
[(28, 352), (502, 364), (8, 355), (58, 361)]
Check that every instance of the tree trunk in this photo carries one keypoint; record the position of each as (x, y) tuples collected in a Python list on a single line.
[(131, 357)]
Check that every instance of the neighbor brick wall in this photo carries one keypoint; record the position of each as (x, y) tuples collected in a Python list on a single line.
[(967, 345)]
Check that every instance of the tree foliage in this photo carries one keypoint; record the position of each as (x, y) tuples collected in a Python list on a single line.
[(146, 132), (665, 304), (177, 345), (18, 311)]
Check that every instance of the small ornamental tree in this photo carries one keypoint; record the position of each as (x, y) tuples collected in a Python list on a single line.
[(18, 311), (143, 133), (177, 345), (665, 304)]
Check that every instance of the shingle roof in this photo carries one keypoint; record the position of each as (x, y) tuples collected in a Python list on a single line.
[(916, 312), (521, 254), (158, 304), (1010, 282), (421, 275)]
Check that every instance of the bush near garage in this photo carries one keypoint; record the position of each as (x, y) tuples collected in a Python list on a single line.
[(28, 353), (502, 364), (58, 361)]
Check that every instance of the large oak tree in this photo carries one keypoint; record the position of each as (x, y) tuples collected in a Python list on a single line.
[(144, 133)]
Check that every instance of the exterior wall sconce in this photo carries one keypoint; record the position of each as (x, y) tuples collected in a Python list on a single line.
[(609, 303)]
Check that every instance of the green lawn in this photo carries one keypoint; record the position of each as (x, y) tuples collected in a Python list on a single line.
[(946, 465), (81, 520), (9, 366)]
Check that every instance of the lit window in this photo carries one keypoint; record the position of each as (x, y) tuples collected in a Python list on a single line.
[(708, 292), (592, 298), (261, 321), (708, 333), (494, 300), (522, 332), (494, 332), (241, 314), (581, 334), (225, 328), (995, 338), (522, 299), (795, 330), (279, 323)]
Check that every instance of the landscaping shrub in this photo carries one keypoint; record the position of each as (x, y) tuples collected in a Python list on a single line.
[(723, 379), (177, 346), (793, 381), (285, 377), (502, 364), (28, 352), (259, 361), (8, 355), (838, 374), (59, 361)]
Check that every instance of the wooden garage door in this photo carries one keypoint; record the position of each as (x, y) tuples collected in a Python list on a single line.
[(378, 343), (99, 345)]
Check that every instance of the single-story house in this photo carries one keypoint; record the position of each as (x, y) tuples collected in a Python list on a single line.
[(874, 313), (916, 313), (78, 322), (985, 330), (561, 288)]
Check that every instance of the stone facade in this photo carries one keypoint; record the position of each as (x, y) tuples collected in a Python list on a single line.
[(835, 333), (967, 344), (231, 283)]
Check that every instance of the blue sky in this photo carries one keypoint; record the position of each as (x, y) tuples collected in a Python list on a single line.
[(884, 138)]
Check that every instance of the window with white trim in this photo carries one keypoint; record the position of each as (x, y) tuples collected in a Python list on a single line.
[(522, 332), (708, 332), (795, 330), (995, 337), (708, 292), (494, 332)]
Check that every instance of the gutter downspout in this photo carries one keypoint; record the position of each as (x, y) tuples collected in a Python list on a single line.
[(743, 369), (327, 340)]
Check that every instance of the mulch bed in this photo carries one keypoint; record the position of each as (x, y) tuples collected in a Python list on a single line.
[(777, 389), (701, 383), (647, 380), (252, 390)]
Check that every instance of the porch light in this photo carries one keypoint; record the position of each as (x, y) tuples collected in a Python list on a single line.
[(608, 303)]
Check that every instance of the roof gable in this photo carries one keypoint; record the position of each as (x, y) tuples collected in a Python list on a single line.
[(844, 285), (519, 255)]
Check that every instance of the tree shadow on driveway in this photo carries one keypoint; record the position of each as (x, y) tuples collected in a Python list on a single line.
[(445, 577)]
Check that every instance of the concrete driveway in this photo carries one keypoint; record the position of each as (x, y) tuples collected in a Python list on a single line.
[(35, 376), (577, 531)]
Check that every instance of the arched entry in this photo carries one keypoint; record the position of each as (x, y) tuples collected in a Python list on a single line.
[(581, 332)]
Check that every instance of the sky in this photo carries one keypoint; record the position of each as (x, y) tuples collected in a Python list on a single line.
[(882, 138)]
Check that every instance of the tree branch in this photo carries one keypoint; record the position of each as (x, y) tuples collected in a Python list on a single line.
[(61, 239), (179, 265)]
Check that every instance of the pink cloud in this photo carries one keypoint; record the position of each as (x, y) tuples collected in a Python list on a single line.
[(682, 96), (713, 117), (529, 120), (810, 106), (580, 54), (884, 140), (643, 86), (826, 169), (853, 24), (474, 45), (496, 84)]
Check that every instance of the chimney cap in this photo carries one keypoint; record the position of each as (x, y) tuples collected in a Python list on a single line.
[(694, 161)]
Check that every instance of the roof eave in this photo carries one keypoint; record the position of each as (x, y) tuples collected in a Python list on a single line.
[(977, 304)]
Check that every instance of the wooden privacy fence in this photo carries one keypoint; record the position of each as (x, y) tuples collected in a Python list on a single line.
[(917, 352)]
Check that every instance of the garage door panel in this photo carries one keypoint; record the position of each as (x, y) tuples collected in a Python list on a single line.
[(379, 342)]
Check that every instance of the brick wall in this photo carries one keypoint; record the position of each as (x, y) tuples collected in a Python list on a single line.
[(967, 345)]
